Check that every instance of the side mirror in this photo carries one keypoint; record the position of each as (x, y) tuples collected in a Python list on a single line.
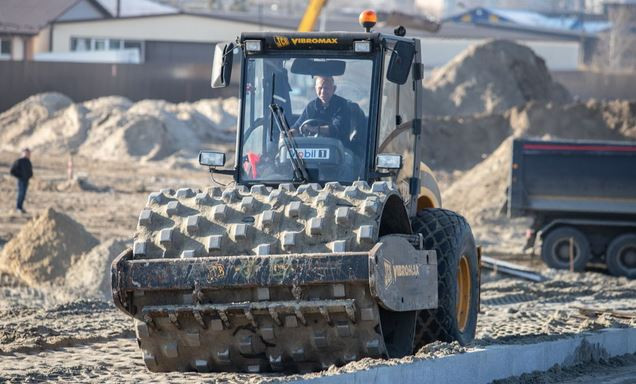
[(388, 161), (211, 158), (400, 62), (222, 65)]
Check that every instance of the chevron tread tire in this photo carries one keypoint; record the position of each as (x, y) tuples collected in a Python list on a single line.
[(450, 235)]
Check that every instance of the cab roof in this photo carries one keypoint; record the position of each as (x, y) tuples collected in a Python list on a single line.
[(310, 40)]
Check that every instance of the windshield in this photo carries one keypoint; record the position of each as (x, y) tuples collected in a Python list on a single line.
[(326, 105)]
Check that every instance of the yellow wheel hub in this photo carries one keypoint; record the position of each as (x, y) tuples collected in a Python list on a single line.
[(463, 292)]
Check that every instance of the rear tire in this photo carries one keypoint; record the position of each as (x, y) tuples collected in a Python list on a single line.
[(556, 247), (621, 256), (455, 318)]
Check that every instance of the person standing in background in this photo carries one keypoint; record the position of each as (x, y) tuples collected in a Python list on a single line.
[(23, 171)]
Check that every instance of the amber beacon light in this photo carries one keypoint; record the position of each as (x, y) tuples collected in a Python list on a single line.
[(368, 19)]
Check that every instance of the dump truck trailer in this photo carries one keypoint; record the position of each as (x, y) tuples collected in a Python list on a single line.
[(582, 196)]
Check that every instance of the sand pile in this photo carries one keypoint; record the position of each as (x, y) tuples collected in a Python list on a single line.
[(155, 129), (572, 121), (490, 77), (498, 89), (459, 143), (114, 128), (102, 107), (45, 248), (25, 119), (481, 192), (620, 115), (222, 112), (89, 277)]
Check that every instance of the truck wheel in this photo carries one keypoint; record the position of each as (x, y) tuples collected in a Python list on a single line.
[(555, 250), (621, 256), (455, 318)]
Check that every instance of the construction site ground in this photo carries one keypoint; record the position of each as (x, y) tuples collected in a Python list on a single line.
[(47, 334)]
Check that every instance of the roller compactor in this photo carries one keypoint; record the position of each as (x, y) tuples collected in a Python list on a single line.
[(324, 248)]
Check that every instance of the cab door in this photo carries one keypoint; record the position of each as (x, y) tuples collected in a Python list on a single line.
[(398, 117)]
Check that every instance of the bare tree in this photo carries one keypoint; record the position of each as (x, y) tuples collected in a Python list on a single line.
[(622, 47), (616, 48)]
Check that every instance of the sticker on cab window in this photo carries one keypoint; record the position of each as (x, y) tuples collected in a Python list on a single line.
[(312, 153)]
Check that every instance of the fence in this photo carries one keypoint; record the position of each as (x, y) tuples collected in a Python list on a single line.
[(190, 82), (84, 81)]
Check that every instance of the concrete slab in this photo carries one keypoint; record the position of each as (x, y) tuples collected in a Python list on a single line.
[(496, 361)]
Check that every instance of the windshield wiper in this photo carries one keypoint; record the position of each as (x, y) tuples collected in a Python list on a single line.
[(271, 100), (300, 171)]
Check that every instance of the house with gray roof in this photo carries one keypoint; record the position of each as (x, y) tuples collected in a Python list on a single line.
[(27, 27)]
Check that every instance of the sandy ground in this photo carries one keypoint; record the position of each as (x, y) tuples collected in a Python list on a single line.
[(619, 370), (88, 340), (44, 338)]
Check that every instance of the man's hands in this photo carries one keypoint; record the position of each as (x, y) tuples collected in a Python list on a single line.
[(313, 127), (305, 131), (311, 130)]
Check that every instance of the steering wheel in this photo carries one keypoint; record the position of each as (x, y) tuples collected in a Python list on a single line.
[(312, 122)]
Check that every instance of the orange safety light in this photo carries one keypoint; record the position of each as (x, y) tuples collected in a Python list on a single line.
[(367, 19)]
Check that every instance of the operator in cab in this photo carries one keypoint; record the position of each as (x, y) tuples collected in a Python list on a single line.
[(329, 115)]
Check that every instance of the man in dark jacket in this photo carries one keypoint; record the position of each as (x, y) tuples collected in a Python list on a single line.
[(337, 112), (22, 170)]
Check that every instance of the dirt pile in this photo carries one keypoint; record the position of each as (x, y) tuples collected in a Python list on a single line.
[(114, 128), (459, 143), (620, 115), (481, 192), (45, 248), (489, 78), (585, 121), (89, 277), (24, 118)]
